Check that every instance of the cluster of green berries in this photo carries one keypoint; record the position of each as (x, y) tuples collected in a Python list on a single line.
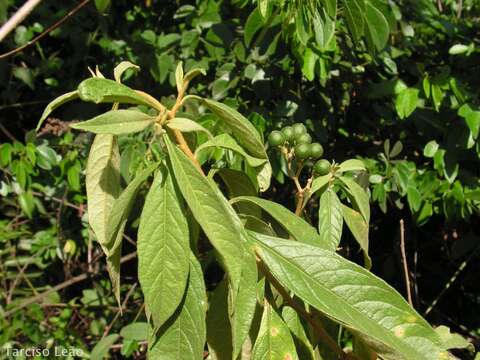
[(296, 136)]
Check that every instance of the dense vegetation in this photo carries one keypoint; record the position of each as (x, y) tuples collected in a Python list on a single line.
[(389, 89)]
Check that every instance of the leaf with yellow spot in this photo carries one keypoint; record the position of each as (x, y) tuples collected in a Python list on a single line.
[(274, 341)]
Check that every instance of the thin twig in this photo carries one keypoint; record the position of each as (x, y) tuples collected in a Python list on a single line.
[(22, 104), (47, 31), (61, 286), (17, 18), (449, 283), (60, 201), (7, 133), (16, 281), (182, 143), (405, 264), (127, 297)]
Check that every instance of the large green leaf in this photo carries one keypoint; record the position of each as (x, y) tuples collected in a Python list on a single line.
[(102, 182), (163, 248), (330, 220), (59, 101), (359, 228), (293, 224), (183, 336), (242, 128), (353, 10), (274, 340), (225, 231), (116, 122), (116, 222), (100, 90), (376, 26), (352, 296), (358, 196), (225, 141)]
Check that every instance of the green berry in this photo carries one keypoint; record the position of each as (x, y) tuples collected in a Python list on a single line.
[(276, 138), (303, 139), (302, 151), (316, 150), (322, 167), (288, 133), (299, 129)]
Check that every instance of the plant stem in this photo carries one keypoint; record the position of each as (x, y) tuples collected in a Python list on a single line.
[(51, 28), (405, 264), (18, 17), (182, 143)]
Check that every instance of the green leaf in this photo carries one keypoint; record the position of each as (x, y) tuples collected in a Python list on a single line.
[(353, 10), (351, 165), (352, 296), (358, 196), (304, 348), (225, 141), (219, 333), (293, 224), (359, 229), (452, 340), (179, 77), (102, 5), (187, 125), (274, 340), (265, 8), (102, 348), (102, 183), (116, 222), (116, 122), (242, 128), (331, 7), (135, 331), (121, 68), (330, 220), (189, 76), (437, 96), (163, 248), (239, 184), (406, 102), (27, 203), (225, 231), (318, 183), (458, 49), (309, 61), (100, 90), (5, 154), (184, 335), (396, 150), (414, 198), (377, 26), (59, 101), (253, 24)]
